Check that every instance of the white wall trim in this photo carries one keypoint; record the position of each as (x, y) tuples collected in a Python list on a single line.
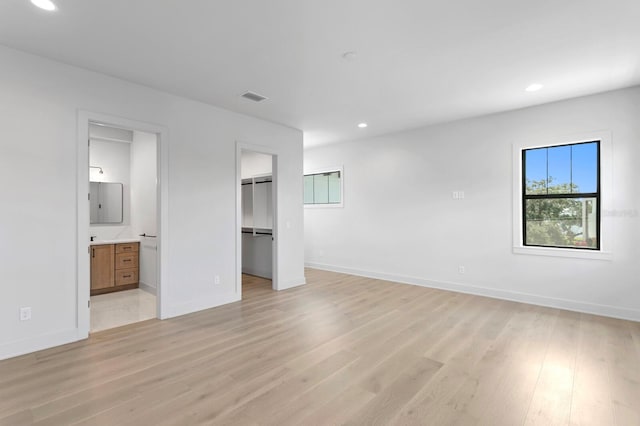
[(82, 212), (148, 288), (38, 343), (606, 199), (292, 283), (327, 169), (240, 146), (532, 299), (256, 272), (190, 307), (561, 252)]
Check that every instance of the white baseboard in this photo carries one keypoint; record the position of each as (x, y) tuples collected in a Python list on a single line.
[(532, 299), (38, 343), (148, 288), (198, 305), (292, 283), (257, 272)]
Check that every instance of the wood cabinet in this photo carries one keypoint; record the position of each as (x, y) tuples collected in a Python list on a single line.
[(114, 267), (102, 266)]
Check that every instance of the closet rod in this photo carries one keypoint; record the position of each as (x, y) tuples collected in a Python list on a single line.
[(257, 183), (257, 233)]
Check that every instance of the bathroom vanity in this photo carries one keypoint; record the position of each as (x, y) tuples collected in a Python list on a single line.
[(114, 266)]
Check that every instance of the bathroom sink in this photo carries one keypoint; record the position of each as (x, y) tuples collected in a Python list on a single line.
[(115, 241)]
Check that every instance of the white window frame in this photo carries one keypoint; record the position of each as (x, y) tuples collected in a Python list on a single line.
[(606, 199), (326, 170)]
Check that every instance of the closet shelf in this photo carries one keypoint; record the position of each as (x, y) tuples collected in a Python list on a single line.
[(258, 231)]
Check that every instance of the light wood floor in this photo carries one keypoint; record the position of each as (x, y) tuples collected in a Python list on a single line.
[(342, 349)]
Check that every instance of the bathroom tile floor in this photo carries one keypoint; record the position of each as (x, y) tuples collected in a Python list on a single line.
[(121, 308)]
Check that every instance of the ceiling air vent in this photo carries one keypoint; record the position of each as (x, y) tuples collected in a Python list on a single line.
[(252, 96)]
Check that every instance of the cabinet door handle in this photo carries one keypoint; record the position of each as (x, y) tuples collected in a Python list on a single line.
[(126, 276), (93, 252), (126, 260)]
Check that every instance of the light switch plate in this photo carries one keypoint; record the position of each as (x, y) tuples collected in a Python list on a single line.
[(25, 314)]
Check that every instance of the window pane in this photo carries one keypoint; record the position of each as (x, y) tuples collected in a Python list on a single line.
[(536, 170), (308, 189), (334, 187), (589, 234), (584, 167), (561, 222), (559, 174), (320, 189)]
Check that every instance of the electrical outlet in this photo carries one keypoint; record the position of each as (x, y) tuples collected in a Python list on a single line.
[(216, 280), (457, 195), (460, 195), (461, 269), (25, 314)]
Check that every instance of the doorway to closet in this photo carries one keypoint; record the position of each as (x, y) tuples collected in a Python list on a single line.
[(257, 205)]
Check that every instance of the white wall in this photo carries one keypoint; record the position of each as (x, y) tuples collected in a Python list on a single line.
[(38, 138), (257, 255), (144, 204), (400, 221), (98, 131), (255, 164)]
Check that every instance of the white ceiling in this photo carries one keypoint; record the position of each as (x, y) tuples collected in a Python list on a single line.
[(418, 62)]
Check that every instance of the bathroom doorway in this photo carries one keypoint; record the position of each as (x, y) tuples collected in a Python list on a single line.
[(257, 220), (122, 221)]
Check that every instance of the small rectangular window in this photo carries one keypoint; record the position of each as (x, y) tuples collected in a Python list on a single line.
[(561, 196), (323, 188)]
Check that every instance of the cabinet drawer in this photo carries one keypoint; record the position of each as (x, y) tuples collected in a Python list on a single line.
[(126, 260), (126, 276), (127, 248)]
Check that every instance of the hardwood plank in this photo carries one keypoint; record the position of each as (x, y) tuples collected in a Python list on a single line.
[(335, 410), (17, 419), (265, 405), (621, 356), (592, 403), (480, 382), (342, 349), (507, 400), (384, 407), (196, 408), (551, 402)]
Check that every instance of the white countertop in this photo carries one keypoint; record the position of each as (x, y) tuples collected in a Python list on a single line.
[(116, 241)]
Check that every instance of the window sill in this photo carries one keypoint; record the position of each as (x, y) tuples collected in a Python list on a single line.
[(323, 206), (559, 252)]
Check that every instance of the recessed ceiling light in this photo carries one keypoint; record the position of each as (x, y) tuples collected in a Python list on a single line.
[(362, 125), (534, 87), (44, 4)]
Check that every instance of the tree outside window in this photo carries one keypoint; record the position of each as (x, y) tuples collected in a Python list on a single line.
[(561, 193)]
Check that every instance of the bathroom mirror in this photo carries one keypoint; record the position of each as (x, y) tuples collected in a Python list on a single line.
[(106, 202)]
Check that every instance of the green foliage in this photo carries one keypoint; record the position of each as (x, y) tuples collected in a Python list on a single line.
[(552, 222)]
